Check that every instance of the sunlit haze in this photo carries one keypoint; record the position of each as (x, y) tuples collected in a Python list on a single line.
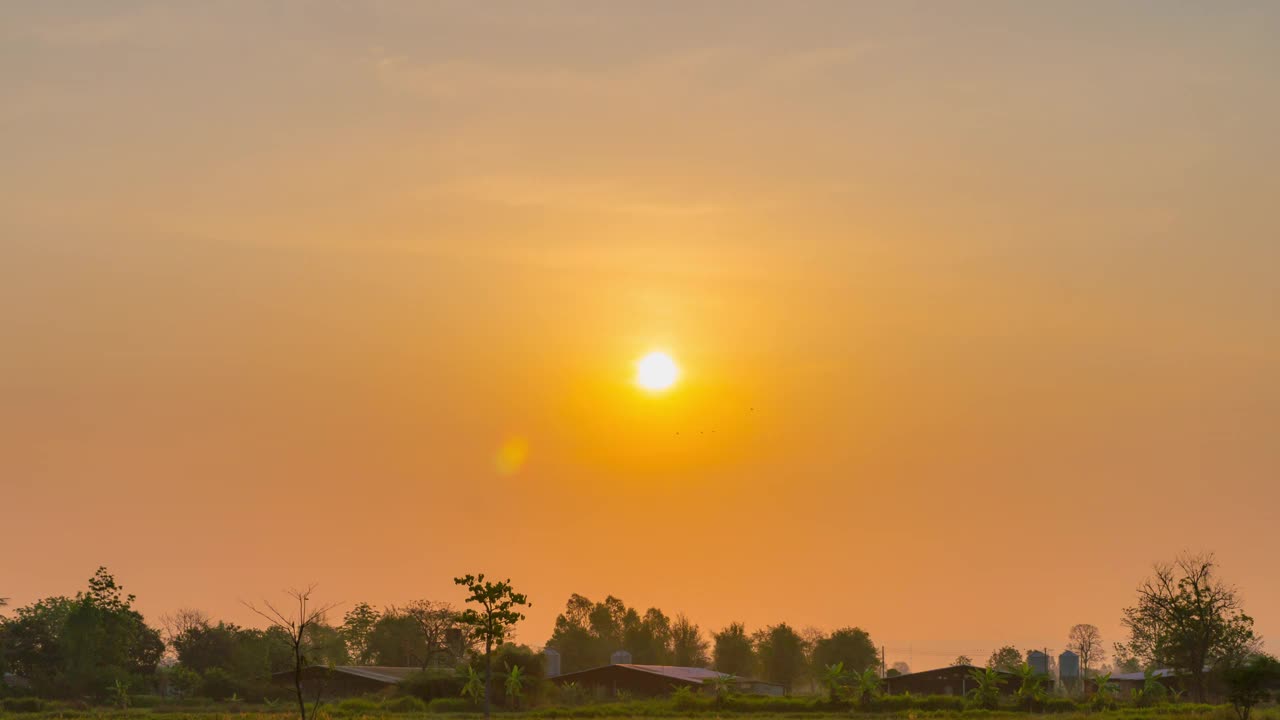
[(358, 294)]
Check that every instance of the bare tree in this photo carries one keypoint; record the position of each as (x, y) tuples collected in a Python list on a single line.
[(1188, 620), (295, 624), (435, 620), (1086, 641)]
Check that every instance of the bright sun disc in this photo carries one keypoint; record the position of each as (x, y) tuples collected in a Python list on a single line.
[(656, 371)]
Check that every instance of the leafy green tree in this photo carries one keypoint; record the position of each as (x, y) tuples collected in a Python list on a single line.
[(395, 640), (835, 679), (1007, 658), (1188, 620), (357, 630), (492, 620), (733, 652), (647, 637), (850, 646), (986, 687), (573, 638), (688, 646), (1251, 682), (781, 654), (201, 647)]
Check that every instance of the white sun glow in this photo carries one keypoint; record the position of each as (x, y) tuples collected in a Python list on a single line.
[(656, 371)]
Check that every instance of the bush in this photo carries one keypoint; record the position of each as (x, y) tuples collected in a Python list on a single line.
[(23, 704), (1060, 705), (357, 706), (145, 701), (449, 705), (218, 684), (404, 704)]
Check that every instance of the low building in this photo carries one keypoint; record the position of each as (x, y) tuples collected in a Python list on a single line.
[(954, 680), (346, 680), (656, 680)]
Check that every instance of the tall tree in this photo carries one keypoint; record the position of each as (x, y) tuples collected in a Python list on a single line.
[(732, 652), (491, 621), (357, 630), (851, 646), (689, 647), (435, 621), (962, 660), (781, 653), (1188, 620), (296, 624), (1007, 658), (1086, 641)]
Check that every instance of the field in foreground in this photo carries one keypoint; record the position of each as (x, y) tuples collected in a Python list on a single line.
[(1200, 712)]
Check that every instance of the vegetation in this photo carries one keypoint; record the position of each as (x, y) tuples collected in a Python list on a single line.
[(1086, 641), (491, 620), (1188, 620)]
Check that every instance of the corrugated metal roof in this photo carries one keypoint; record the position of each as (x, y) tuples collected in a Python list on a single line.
[(691, 674), (380, 673)]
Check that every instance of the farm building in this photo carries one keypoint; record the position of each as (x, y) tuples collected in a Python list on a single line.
[(653, 680), (1126, 683), (346, 680), (954, 680)]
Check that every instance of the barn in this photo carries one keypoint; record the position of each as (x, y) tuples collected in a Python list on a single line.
[(656, 680), (346, 680), (954, 680)]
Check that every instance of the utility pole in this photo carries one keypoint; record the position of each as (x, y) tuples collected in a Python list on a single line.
[(882, 670)]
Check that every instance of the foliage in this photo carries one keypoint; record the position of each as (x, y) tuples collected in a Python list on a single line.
[(406, 704), (571, 694), (1104, 695), (1030, 693), (866, 687), (431, 684), (298, 626), (473, 688), (22, 705), (1187, 619), (357, 629), (450, 705), (81, 646), (986, 687), (733, 652), (217, 684), (962, 660), (688, 646), (1007, 658), (492, 620), (1251, 682), (834, 679), (851, 646), (1152, 692), (781, 654), (513, 685)]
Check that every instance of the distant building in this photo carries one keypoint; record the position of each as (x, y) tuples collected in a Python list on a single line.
[(346, 680), (954, 680), (1039, 662), (657, 680), (1069, 669)]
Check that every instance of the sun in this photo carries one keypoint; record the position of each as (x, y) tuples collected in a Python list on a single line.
[(656, 371)]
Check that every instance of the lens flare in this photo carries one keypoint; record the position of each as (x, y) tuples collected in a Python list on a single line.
[(656, 371)]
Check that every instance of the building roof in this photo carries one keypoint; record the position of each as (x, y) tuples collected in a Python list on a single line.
[(965, 668), (379, 673), (1161, 673), (692, 675)]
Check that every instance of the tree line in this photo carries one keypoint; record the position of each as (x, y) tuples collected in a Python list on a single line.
[(587, 634)]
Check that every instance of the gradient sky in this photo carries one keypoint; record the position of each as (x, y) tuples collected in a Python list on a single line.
[(976, 305)]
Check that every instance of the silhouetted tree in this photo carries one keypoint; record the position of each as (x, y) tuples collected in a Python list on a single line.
[(357, 631), (732, 652), (1007, 658), (1086, 641), (851, 646), (781, 654), (491, 620), (689, 647), (1187, 619), (296, 624)]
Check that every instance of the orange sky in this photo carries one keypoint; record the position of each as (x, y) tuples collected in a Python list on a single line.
[(975, 306)]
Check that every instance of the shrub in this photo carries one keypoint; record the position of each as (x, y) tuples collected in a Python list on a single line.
[(1060, 705), (357, 706), (450, 705), (405, 704), (23, 704), (218, 684), (146, 701)]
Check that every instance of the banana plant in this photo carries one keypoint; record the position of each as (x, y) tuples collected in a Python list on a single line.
[(1105, 696), (473, 689), (835, 679), (986, 687), (1030, 693), (514, 685), (866, 685)]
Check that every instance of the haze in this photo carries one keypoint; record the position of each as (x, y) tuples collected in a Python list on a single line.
[(975, 306)]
